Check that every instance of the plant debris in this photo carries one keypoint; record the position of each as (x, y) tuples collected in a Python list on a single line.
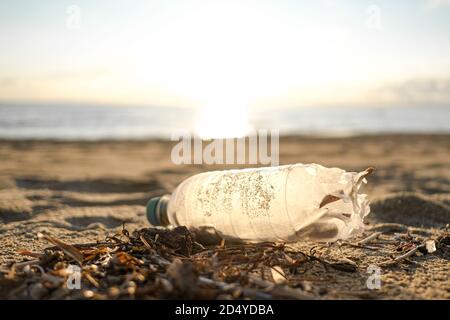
[(156, 263)]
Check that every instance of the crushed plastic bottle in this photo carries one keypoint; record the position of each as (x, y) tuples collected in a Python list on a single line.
[(285, 203)]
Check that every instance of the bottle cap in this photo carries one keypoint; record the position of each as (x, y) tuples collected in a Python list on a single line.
[(152, 215)]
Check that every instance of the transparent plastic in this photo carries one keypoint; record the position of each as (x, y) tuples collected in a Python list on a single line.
[(285, 203)]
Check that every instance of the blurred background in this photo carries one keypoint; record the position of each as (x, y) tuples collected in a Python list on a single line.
[(140, 69)]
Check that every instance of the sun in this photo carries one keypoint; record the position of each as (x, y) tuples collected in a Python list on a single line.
[(222, 120)]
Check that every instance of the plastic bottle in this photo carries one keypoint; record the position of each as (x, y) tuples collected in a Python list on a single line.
[(285, 203)]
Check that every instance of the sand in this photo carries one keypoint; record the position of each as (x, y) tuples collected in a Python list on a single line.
[(83, 191)]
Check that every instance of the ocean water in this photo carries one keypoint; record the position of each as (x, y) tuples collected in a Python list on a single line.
[(83, 122)]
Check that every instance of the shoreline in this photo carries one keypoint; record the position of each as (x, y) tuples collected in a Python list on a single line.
[(294, 136)]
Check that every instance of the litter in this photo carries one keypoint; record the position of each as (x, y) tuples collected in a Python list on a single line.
[(286, 203)]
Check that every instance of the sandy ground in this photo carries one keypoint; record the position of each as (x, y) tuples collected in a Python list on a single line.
[(84, 191)]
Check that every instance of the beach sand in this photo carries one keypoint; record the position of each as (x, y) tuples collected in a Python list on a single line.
[(83, 191)]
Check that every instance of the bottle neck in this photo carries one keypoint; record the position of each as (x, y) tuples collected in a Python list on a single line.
[(161, 210)]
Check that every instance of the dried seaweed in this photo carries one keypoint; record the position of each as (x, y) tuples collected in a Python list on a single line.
[(154, 263)]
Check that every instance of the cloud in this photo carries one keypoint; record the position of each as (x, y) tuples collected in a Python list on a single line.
[(7, 82), (419, 91), (438, 3), (76, 75)]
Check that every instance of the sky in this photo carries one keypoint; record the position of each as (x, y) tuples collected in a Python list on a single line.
[(226, 54)]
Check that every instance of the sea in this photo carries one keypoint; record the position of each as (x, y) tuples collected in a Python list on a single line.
[(103, 122)]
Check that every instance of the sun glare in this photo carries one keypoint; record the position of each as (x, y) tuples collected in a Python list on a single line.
[(222, 120), (227, 58)]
